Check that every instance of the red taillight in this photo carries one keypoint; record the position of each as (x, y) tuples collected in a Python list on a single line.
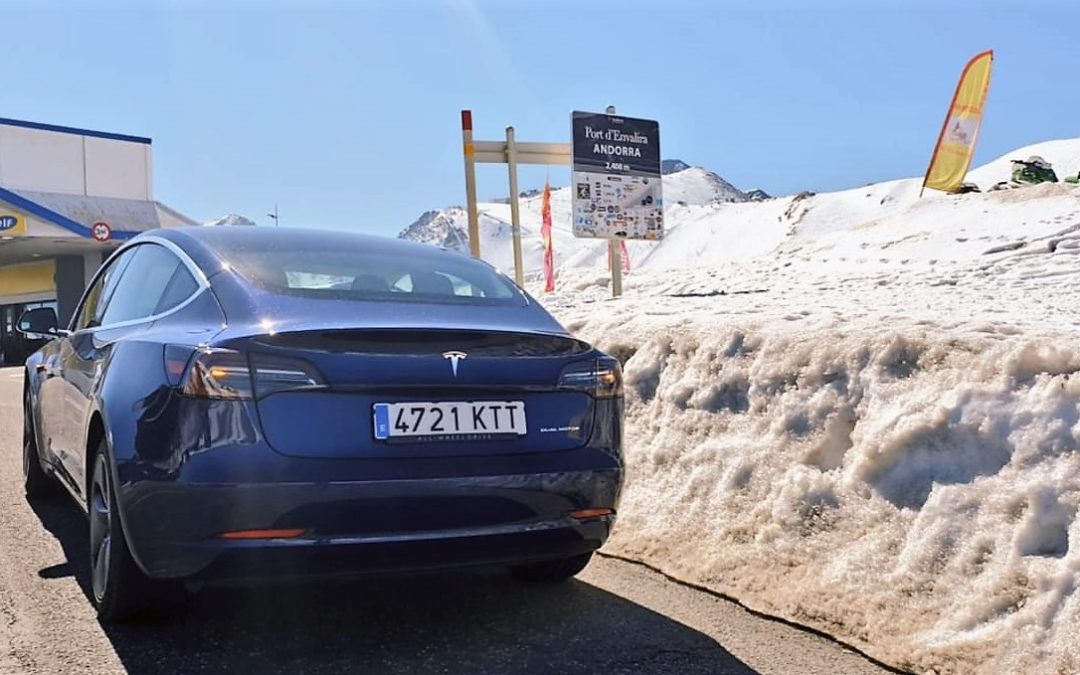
[(219, 373), (281, 373), (287, 533), (229, 374), (600, 377), (586, 514)]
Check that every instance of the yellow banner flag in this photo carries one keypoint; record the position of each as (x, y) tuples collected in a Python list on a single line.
[(956, 143)]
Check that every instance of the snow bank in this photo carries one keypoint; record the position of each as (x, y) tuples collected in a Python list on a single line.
[(910, 489)]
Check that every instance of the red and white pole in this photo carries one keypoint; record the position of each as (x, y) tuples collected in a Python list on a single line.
[(470, 182)]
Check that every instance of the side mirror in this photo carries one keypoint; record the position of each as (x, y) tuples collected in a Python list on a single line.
[(39, 323)]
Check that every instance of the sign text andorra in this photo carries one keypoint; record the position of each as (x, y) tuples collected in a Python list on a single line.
[(615, 144), (615, 136)]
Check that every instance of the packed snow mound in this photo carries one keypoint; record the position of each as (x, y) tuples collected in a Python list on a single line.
[(230, 219), (910, 490)]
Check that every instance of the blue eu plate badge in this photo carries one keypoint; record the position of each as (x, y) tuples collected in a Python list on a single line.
[(382, 421)]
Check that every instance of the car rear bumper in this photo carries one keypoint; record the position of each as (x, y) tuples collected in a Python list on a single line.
[(414, 552), (355, 527), (191, 470)]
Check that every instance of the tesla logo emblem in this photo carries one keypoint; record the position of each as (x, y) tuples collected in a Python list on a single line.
[(454, 358)]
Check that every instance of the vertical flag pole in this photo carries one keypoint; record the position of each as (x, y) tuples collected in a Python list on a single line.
[(614, 251), (515, 217), (470, 182)]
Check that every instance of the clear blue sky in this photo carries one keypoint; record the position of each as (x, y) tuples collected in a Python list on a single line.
[(347, 114)]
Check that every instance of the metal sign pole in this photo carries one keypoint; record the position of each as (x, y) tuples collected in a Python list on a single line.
[(615, 251), (470, 182), (515, 217)]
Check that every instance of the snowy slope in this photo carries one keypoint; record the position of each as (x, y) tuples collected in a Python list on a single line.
[(891, 216), (710, 221)]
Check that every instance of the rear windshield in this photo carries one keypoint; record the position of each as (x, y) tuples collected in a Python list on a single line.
[(324, 272)]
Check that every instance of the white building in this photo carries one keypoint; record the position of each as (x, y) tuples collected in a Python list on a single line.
[(68, 198)]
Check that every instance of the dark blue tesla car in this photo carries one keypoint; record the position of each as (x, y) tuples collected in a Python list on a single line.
[(241, 403)]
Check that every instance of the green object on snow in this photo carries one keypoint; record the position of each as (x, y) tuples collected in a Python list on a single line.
[(1033, 171), (1073, 179)]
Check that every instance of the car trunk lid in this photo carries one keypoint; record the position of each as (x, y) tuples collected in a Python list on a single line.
[(363, 368)]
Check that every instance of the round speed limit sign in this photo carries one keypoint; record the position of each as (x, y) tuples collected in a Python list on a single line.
[(101, 231)]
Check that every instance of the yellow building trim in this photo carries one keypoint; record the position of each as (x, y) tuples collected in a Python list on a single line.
[(11, 221), (26, 278)]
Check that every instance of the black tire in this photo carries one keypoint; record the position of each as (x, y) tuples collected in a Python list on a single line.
[(36, 482), (121, 592), (551, 571)]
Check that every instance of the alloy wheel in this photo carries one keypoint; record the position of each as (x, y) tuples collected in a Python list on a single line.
[(29, 446), (100, 527)]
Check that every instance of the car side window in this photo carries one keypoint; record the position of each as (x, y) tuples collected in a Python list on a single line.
[(179, 289), (98, 296), (144, 285)]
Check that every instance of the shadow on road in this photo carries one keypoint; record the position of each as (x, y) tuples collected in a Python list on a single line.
[(461, 623)]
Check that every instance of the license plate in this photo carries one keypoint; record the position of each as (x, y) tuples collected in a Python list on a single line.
[(449, 419)]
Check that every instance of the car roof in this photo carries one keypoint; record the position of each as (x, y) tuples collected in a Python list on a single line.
[(207, 246), (290, 237), (244, 302)]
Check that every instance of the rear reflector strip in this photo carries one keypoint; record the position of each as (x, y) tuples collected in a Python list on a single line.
[(263, 534), (585, 514)]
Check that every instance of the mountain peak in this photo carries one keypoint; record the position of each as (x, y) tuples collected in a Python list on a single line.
[(669, 166), (229, 219), (695, 185), (441, 227)]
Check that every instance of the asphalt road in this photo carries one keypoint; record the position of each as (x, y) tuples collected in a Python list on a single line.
[(617, 617)]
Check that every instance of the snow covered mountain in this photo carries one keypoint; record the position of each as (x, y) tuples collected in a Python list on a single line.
[(686, 190), (230, 219), (695, 185)]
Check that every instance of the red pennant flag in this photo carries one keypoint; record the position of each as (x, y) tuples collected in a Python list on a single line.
[(545, 235)]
